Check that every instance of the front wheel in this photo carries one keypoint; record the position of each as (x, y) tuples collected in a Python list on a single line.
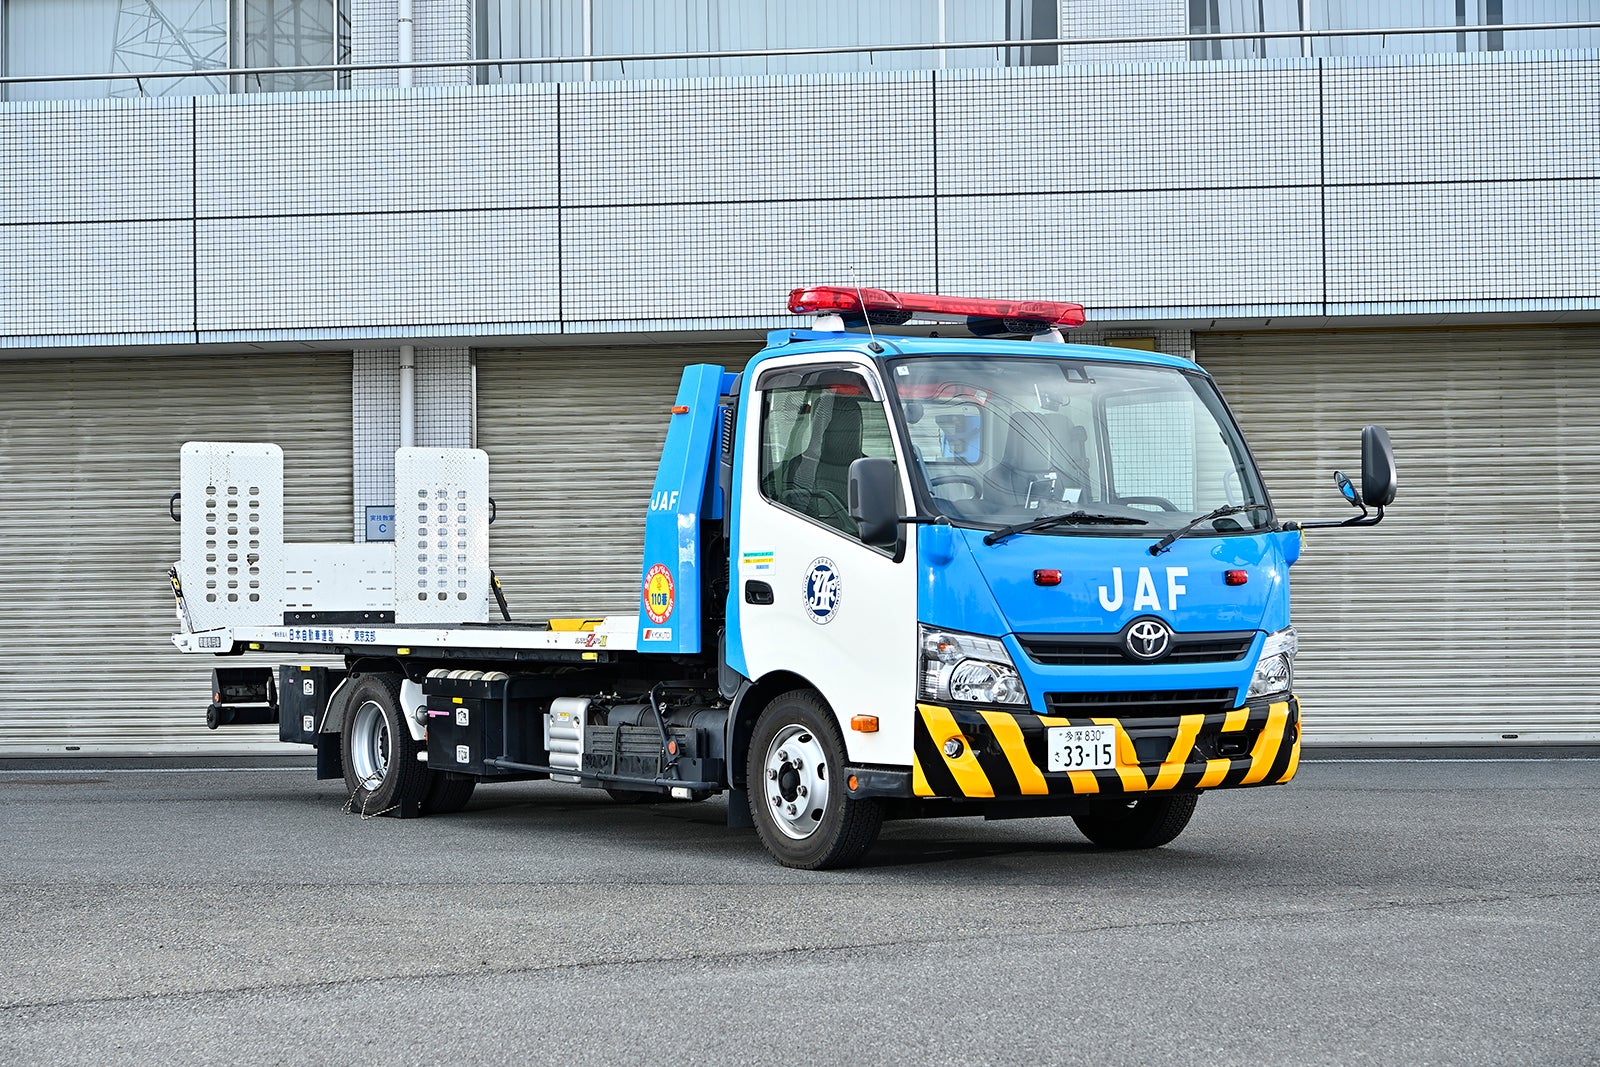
[(381, 769), (1142, 822), (796, 788)]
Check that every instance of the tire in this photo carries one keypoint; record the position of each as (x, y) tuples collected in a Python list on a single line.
[(1138, 822), (800, 810), (447, 793), (380, 758)]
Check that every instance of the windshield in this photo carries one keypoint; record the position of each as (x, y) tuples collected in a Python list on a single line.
[(1003, 440)]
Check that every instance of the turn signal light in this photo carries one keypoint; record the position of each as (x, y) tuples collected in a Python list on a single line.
[(864, 724), (1047, 577), (1236, 577), (680, 409)]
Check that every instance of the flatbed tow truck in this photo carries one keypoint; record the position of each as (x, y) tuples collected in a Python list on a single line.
[(883, 577)]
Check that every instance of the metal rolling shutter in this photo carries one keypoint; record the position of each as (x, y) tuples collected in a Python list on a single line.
[(1470, 614), (573, 437), (88, 458)]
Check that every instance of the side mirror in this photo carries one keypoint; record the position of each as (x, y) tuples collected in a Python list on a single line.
[(872, 500), (1377, 467), (1377, 481)]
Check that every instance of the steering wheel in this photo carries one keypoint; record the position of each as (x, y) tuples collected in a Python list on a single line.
[(1159, 501)]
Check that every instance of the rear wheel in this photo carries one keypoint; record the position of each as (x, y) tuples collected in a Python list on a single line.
[(381, 769), (796, 788), (1138, 822)]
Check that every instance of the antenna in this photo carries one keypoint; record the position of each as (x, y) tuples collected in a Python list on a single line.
[(864, 312)]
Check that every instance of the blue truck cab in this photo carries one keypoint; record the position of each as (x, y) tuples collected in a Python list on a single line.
[(1034, 577)]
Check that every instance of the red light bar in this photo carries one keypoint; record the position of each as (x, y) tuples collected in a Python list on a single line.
[(891, 309)]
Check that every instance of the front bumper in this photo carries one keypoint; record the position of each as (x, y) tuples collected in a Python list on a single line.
[(1002, 753)]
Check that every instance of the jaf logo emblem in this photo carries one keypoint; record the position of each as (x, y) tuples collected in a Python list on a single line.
[(658, 593), (822, 590)]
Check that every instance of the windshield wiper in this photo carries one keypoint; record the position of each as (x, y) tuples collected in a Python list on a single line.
[(1215, 513), (1069, 519)]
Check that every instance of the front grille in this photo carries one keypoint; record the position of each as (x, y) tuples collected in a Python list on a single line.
[(1088, 650), (1141, 705)]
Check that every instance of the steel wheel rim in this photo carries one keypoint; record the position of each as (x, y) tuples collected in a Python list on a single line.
[(369, 753), (795, 782)]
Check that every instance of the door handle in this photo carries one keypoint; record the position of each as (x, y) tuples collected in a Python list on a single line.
[(757, 592)]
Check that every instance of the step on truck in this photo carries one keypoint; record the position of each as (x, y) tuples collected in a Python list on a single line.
[(883, 577)]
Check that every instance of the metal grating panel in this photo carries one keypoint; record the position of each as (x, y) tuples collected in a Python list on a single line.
[(232, 533), (441, 545)]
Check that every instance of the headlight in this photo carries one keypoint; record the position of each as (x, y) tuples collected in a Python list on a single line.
[(968, 669), (1275, 669)]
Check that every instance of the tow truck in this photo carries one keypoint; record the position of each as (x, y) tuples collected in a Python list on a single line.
[(884, 576)]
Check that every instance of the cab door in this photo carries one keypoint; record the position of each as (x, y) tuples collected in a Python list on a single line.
[(812, 598)]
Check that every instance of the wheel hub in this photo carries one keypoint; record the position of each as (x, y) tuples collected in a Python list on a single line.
[(796, 782), (369, 753)]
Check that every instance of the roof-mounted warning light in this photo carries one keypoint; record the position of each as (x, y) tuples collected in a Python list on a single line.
[(986, 318)]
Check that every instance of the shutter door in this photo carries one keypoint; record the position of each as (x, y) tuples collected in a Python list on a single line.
[(574, 436), (1470, 614), (88, 459)]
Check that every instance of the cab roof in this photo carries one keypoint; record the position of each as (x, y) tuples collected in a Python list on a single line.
[(888, 346)]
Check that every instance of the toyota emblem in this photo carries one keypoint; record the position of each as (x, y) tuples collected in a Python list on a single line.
[(1147, 639)]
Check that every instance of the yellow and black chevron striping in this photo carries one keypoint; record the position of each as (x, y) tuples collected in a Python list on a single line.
[(1002, 754)]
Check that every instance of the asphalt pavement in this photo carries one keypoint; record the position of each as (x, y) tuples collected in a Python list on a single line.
[(1438, 912)]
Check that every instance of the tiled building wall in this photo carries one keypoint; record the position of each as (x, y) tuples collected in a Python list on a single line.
[(1151, 192), (444, 416)]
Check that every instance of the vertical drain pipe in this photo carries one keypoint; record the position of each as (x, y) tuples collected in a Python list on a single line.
[(405, 51), (408, 395)]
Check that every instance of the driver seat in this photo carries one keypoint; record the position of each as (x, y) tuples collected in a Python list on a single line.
[(823, 467), (1031, 468)]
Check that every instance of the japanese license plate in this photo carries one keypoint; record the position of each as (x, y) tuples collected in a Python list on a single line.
[(1080, 748)]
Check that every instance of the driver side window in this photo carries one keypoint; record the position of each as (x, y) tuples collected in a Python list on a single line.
[(813, 426)]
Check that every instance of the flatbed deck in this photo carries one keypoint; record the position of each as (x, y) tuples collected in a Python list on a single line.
[(503, 641)]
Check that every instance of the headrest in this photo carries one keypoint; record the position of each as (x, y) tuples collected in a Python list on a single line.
[(836, 429), (1038, 441)]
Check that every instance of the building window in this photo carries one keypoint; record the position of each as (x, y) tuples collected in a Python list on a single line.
[(293, 33), (514, 29), (136, 36), (1257, 16), (113, 36)]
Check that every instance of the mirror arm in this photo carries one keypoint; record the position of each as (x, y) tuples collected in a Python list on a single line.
[(1366, 518)]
